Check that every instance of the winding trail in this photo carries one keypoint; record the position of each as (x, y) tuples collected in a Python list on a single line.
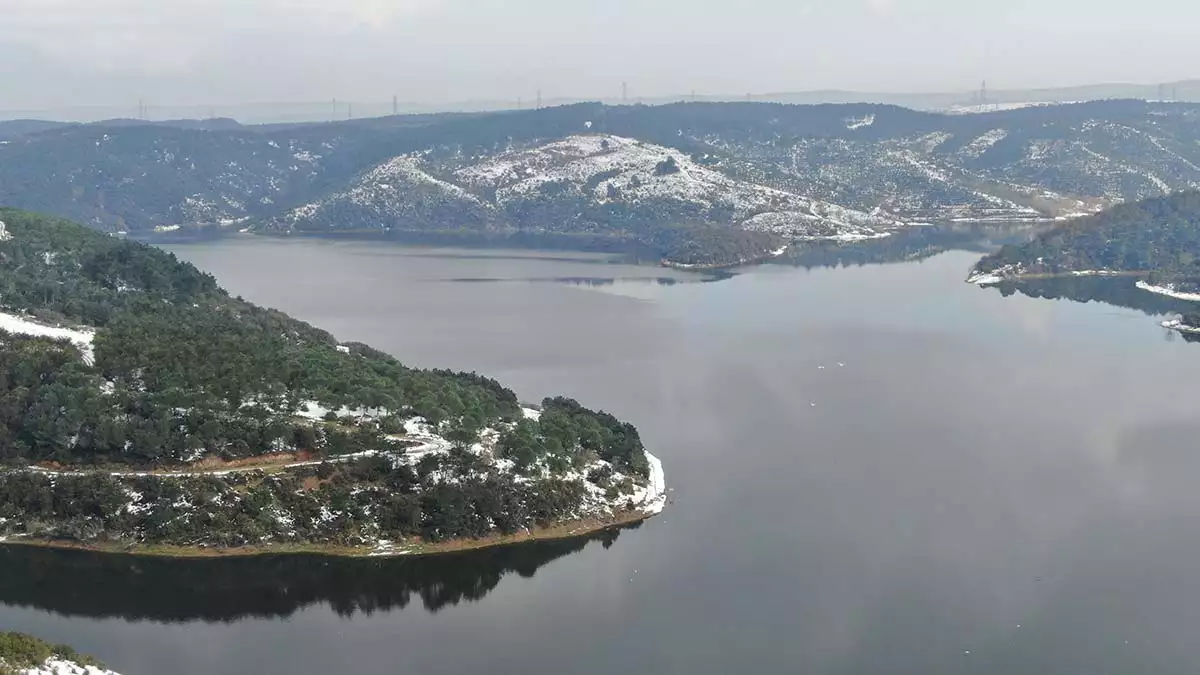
[(430, 445)]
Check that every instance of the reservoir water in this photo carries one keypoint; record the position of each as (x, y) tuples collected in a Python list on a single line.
[(876, 469)]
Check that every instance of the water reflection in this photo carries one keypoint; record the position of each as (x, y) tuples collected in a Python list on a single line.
[(910, 245), (1118, 291), (81, 583), (596, 281)]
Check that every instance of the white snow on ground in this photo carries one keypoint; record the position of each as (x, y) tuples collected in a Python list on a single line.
[(982, 144), (931, 142), (931, 172), (1122, 166), (997, 275), (615, 169), (316, 412), (79, 337), (1168, 290), (390, 186), (984, 279), (1095, 273), (59, 667), (5, 235), (1073, 215), (653, 497), (417, 426), (976, 109), (1179, 325), (860, 122), (531, 414), (1159, 183), (385, 548)]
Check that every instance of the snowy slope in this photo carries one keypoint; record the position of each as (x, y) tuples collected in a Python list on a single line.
[(606, 169), (63, 667), (595, 185), (397, 193)]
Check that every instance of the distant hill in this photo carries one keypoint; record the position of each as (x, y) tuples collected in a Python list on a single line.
[(742, 180), (14, 128)]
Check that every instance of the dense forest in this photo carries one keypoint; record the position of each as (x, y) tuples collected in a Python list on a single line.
[(181, 369), (1159, 238), (184, 373)]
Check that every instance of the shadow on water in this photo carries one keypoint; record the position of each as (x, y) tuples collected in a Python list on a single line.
[(82, 583), (1118, 291)]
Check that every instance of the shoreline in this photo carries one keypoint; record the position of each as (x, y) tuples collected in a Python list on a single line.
[(992, 279), (1179, 326), (652, 504), (568, 530), (1169, 291)]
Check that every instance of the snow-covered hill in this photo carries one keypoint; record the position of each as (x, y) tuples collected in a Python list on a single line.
[(612, 170), (732, 179), (598, 184), (398, 193)]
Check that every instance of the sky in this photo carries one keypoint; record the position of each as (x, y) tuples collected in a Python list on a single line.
[(56, 53)]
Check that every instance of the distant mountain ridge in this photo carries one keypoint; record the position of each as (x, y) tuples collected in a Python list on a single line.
[(695, 183), (293, 112)]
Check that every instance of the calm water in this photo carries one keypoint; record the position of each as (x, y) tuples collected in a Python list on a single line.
[(988, 485)]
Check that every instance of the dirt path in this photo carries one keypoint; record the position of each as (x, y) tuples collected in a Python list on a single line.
[(430, 445)]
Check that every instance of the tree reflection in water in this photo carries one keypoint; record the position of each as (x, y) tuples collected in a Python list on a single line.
[(82, 583)]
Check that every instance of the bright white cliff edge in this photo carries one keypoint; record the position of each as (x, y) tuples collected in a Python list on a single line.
[(1169, 291), (60, 667)]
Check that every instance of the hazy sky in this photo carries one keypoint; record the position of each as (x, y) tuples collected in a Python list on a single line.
[(61, 52)]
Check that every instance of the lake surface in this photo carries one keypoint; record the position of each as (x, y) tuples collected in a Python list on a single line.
[(877, 469)]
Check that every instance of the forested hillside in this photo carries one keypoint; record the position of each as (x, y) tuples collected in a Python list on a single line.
[(699, 183), (116, 355), (1158, 239)]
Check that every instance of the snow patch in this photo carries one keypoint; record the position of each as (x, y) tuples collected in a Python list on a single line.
[(618, 170), (1180, 326), (54, 666), (653, 497), (5, 235), (1168, 290), (985, 279), (81, 338), (984, 143), (854, 123)]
